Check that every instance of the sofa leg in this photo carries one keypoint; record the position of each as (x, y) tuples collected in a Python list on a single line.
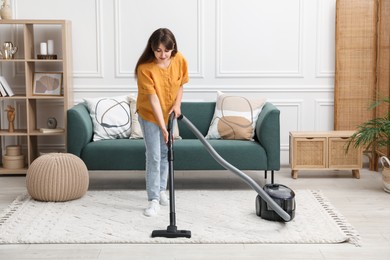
[(272, 176)]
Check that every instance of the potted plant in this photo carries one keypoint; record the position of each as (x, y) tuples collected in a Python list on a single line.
[(374, 135)]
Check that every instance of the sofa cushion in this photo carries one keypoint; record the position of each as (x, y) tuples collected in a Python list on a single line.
[(110, 117), (189, 154), (118, 154), (200, 114), (235, 117)]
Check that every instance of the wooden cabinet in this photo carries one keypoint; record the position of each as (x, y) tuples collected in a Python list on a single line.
[(323, 150), (32, 101)]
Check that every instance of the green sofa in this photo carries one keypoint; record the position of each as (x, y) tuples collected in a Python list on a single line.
[(129, 154)]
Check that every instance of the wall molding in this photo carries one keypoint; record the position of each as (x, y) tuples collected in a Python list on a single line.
[(294, 103), (120, 73), (319, 103), (289, 103), (98, 73), (99, 47), (323, 8), (213, 88), (220, 73)]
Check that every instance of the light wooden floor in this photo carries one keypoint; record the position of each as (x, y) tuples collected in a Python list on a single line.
[(362, 202)]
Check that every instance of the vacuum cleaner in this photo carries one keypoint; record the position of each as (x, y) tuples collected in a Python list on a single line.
[(274, 202), (171, 231), (282, 195)]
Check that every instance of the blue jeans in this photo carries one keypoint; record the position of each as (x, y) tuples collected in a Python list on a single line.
[(156, 159)]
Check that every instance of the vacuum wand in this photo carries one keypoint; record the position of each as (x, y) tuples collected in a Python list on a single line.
[(171, 231), (172, 214), (283, 214)]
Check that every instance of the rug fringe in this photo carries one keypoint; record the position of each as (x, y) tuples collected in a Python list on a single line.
[(12, 208), (341, 221)]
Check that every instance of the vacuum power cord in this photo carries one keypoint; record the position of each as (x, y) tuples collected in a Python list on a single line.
[(283, 214)]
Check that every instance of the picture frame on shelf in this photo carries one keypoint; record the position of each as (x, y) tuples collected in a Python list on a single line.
[(47, 83)]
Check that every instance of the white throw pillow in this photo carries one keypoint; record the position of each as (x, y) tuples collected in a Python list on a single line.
[(235, 117), (110, 116), (136, 131)]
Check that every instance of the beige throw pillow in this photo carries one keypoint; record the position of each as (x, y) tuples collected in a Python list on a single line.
[(235, 117)]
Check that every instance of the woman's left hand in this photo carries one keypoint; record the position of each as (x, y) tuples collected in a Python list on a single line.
[(177, 111)]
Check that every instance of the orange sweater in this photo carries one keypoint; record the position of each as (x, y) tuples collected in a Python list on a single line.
[(165, 83)]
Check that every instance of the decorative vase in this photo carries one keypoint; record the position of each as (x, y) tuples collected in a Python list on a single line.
[(6, 11), (385, 173), (52, 123)]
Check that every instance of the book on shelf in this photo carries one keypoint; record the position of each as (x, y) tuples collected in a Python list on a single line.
[(51, 130), (2, 91), (5, 88)]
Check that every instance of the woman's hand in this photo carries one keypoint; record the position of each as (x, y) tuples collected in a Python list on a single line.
[(176, 106), (176, 109), (156, 107), (165, 134)]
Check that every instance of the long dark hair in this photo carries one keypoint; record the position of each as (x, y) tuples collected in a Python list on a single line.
[(160, 36)]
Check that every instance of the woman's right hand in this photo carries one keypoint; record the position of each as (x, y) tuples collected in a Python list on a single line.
[(156, 107), (165, 134)]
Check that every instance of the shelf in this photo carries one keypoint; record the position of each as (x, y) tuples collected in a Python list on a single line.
[(37, 132), (17, 132), (45, 97), (13, 171), (44, 61), (32, 60), (13, 97), (32, 22), (12, 60), (32, 110), (20, 97)]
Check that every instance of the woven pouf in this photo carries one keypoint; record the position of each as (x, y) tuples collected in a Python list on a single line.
[(57, 177)]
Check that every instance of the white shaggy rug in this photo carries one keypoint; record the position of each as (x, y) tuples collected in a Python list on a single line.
[(213, 216)]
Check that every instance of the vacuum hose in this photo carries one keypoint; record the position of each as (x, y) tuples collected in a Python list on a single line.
[(283, 214)]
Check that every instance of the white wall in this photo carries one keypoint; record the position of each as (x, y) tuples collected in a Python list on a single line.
[(282, 49)]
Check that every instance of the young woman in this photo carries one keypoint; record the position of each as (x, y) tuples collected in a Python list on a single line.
[(161, 73)]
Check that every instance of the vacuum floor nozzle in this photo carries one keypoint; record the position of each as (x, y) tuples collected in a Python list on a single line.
[(171, 232)]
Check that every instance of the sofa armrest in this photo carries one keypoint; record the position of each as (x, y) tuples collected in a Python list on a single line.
[(80, 129), (268, 134)]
